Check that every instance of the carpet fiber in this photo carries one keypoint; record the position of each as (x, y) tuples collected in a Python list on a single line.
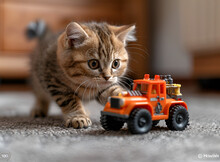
[(23, 139)]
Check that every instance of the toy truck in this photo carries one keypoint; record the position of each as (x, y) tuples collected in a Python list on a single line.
[(149, 101)]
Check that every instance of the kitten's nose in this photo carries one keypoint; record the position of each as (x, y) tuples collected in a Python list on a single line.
[(107, 77)]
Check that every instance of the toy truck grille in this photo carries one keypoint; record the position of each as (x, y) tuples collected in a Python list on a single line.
[(115, 103)]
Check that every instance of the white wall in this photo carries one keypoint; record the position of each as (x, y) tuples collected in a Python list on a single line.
[(170, 56)]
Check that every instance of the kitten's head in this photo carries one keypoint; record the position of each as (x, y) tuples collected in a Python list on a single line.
[(94, 52)]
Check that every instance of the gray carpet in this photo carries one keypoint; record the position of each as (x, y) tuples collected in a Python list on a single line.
[(23, 139)]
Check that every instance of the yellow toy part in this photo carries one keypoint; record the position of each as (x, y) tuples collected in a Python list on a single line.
[(173, 89)]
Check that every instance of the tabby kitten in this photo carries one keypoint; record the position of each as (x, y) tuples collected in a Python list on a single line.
[(81, 64)]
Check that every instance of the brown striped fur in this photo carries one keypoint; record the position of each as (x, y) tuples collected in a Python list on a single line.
[(61, 69)]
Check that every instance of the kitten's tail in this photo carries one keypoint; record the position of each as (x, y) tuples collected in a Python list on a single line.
[(36, 29)]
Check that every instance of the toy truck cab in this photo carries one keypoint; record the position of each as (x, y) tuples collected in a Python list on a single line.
[(150, 101)]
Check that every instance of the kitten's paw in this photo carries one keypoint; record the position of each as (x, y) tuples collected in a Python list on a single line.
[(35, 112), (78, 122)]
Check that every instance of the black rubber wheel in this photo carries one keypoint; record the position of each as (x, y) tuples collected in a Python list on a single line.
[(155, 122), (110, 123), (139, 121), (178, 118)]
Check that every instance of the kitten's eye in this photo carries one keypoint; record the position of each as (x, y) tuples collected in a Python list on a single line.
[(93, 64), (116, 64)]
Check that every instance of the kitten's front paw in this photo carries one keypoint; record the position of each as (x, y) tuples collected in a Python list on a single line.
[(78, 122), (37, 112)]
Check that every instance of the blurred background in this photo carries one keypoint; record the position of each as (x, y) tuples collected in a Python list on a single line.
[(181, 38)]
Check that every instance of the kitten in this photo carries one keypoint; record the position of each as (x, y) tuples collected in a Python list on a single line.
[(80, 64)]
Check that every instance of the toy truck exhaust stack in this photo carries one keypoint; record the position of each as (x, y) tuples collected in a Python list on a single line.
[(151, 100)]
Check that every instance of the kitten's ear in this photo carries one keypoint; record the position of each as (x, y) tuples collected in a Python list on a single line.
[(124, 33), (76, 35)]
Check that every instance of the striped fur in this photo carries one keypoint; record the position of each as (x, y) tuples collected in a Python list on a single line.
[(61, 68)]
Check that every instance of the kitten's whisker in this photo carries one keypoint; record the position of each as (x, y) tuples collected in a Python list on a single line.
[(89, 93), (126, 78), (130, 44), (137, 45), (122, 85), (143, 56), (122, 79), (125, 83), (96, 88), (139, 54), (79, 87), (99, 88), (139, 49), (93, 87), (85, 90)]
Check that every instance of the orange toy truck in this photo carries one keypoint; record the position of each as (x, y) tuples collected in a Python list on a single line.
[(150, 100)]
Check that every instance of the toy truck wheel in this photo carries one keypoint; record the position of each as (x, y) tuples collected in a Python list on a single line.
[(155, 122), (178, 119), (139, 121), (110, 123)]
